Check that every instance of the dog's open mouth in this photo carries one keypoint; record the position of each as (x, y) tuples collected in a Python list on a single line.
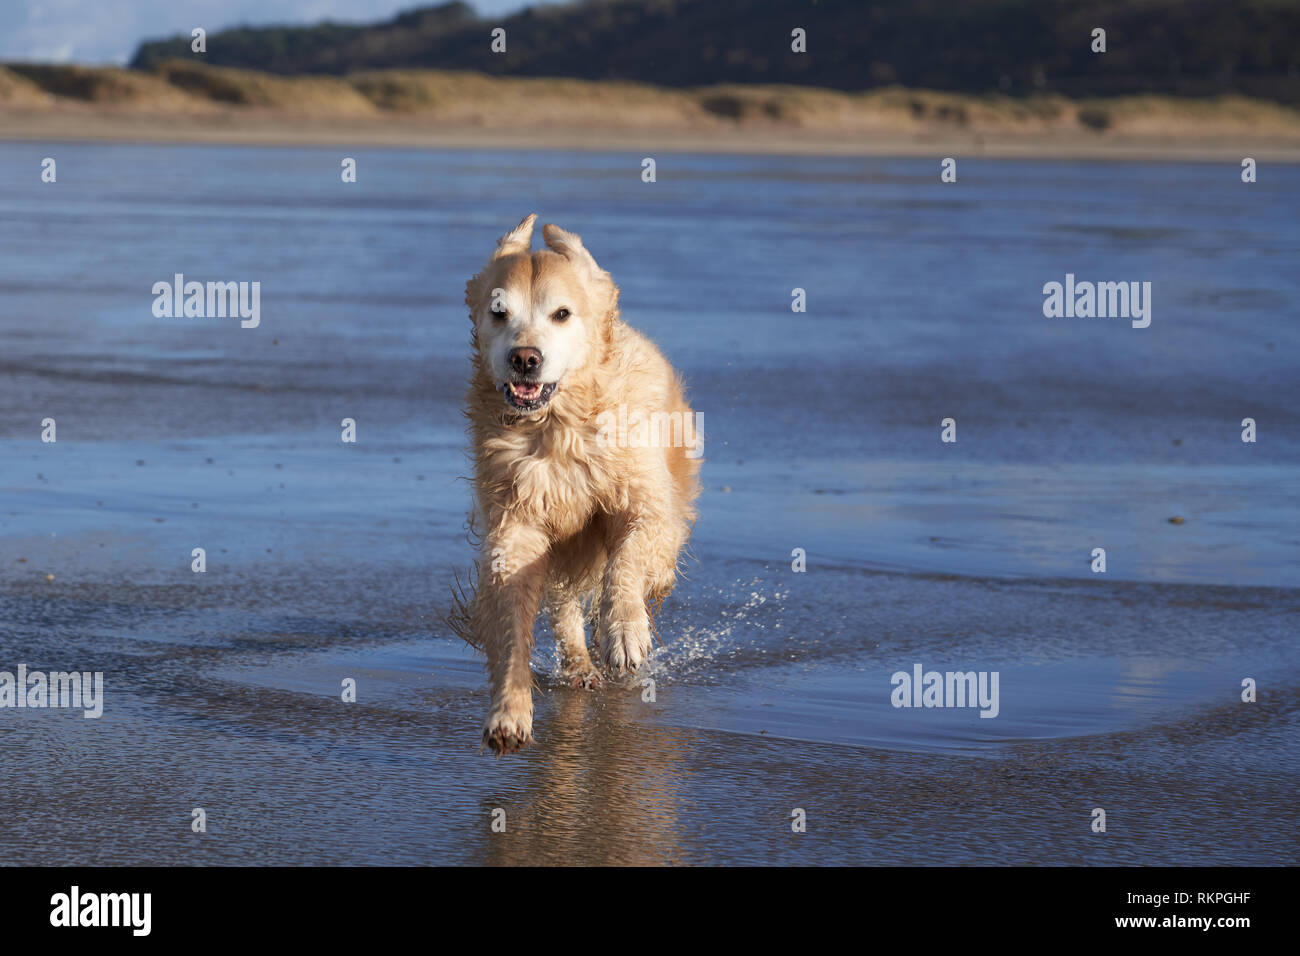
[(528, 396)]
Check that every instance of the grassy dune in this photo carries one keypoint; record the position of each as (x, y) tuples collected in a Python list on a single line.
[(18, 92), (185, 100), (105, 86), (307, 95)]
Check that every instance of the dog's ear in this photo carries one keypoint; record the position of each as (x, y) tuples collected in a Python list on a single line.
[(570, 246), (517, 240)]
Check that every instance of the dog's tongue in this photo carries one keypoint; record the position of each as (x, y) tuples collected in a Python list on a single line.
[(527, 390)]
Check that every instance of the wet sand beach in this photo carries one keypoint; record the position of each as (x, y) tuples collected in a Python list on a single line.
[(327, 561), (1177, 143)]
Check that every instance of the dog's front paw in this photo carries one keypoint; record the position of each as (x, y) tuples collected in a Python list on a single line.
[(508, 730), (625, 645), (583, 675)]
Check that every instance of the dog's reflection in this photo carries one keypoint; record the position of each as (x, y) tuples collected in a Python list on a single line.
[(603, 789)]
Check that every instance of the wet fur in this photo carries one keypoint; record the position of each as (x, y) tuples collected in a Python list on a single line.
[(586, 530)]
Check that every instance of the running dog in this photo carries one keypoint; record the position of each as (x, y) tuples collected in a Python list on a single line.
[(574, 509)]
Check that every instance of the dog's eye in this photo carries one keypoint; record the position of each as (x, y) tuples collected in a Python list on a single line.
[(500, 314), (559, 315)]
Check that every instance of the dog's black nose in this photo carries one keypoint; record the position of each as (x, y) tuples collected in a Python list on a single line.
[(525, 360)]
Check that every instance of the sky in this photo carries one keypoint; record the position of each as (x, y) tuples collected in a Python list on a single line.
[(108, 31)]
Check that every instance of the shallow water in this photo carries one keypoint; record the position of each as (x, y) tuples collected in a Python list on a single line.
[(326, 560)]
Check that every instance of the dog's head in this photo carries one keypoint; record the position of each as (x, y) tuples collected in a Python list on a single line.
[(541, 319)]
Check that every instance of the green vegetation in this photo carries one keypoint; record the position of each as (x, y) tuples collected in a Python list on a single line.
[(1014, 47)]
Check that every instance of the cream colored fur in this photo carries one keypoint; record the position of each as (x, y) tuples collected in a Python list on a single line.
[(581, 525)]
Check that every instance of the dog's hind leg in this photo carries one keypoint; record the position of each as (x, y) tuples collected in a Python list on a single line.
[(567, 621)]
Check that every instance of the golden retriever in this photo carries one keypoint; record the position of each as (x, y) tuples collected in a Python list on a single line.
[(586, 470)]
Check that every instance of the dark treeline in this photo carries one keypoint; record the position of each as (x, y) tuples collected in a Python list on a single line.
[(1181, 47)]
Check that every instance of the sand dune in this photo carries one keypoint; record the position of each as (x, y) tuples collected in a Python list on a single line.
[(18, 92), (187, 101)]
